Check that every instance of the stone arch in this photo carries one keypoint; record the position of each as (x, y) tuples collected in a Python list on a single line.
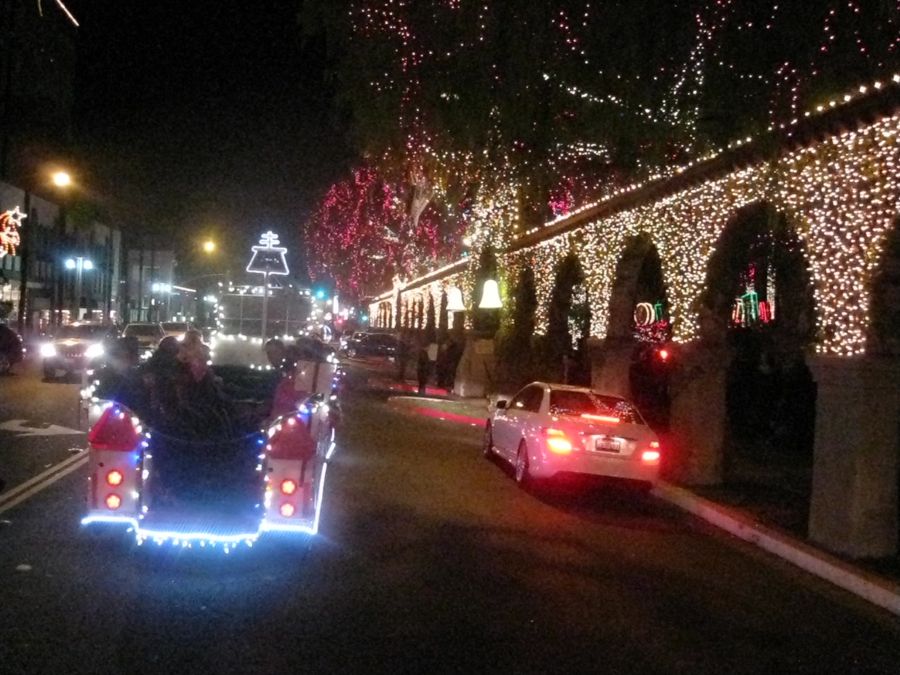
[(625, 366), (758, 315), (755, 232), (883, 335), (639, 268)]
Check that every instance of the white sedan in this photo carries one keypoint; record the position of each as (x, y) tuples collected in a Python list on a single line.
[(546, 429)]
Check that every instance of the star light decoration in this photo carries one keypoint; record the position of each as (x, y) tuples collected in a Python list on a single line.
[(10, 222)]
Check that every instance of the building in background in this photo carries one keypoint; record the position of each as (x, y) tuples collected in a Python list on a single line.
[(149, 285), (74, 266), (91, 269)]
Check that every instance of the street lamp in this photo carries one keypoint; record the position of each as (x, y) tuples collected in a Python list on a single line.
[(80, 264), (209, 246), (61, 179)]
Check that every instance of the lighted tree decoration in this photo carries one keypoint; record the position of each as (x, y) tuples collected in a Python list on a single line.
[(516, 346), (447, 95), (563, 299), (360, 235), (430, 321)]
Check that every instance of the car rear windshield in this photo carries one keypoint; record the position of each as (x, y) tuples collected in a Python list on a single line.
[(142, 329), (173, 326), (567, 402), (81, 332)]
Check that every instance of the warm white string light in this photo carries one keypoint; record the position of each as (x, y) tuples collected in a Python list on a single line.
[(841, 195)]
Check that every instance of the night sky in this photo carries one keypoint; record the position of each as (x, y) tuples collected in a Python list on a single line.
[(204, 117)]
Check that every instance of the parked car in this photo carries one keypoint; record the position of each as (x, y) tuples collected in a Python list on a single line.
[(148, 336), (74, 348), (547, 429), (11, 349), (372, 344), (177, 329)]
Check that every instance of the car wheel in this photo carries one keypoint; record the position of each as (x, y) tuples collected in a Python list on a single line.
[(523, 477), (487, 448), (5, 364), (49, 375)]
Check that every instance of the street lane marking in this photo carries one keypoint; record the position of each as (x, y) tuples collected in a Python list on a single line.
[(14, 493), (40, 486), (21, 429)]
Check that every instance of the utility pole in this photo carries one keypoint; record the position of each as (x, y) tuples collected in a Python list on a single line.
[(265, 307)]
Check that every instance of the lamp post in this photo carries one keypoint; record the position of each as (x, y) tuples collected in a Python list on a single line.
[(80, 264)]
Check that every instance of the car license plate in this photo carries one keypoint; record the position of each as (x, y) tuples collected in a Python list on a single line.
[(607, 445)]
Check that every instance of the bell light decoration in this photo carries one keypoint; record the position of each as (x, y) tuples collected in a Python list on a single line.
[(490, 297), (454, 300)]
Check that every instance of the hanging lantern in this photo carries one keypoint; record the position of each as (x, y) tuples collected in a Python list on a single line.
[(490, 297), (454, 300)]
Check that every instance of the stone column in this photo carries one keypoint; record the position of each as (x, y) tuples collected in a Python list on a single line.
[(475, 372), (610, 366), (698, 414), (853, 510)]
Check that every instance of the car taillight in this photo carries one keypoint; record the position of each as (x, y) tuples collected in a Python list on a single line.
[(650, 456), (287, 510), (114, 478), (558, 442), (609, 419), (288, 487), (113, 502), (117, 429)]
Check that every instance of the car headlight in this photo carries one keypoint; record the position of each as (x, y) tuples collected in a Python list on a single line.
[(95, 351), (48, 350)]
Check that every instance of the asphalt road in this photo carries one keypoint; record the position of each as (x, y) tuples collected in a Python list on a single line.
[(38, 423), (429, 558)]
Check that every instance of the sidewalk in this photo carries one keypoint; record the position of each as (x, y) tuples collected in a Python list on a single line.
[(878, 590)]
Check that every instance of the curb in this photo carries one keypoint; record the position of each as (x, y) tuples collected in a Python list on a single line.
[(867, 586)]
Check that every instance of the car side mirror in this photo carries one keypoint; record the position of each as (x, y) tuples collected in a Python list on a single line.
[(500, 405)]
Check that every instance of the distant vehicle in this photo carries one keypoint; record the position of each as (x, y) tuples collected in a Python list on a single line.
[(148, 336), (177, 329), (372, 344), (11, 349), (74, 348), (548, 429)]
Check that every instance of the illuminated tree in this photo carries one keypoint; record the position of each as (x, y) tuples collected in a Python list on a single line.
[(507, 114)]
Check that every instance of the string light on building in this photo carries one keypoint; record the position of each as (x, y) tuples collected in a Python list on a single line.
[(10, 222), (840, 194)]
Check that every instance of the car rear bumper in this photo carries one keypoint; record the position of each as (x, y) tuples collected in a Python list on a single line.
[(597, 464)]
